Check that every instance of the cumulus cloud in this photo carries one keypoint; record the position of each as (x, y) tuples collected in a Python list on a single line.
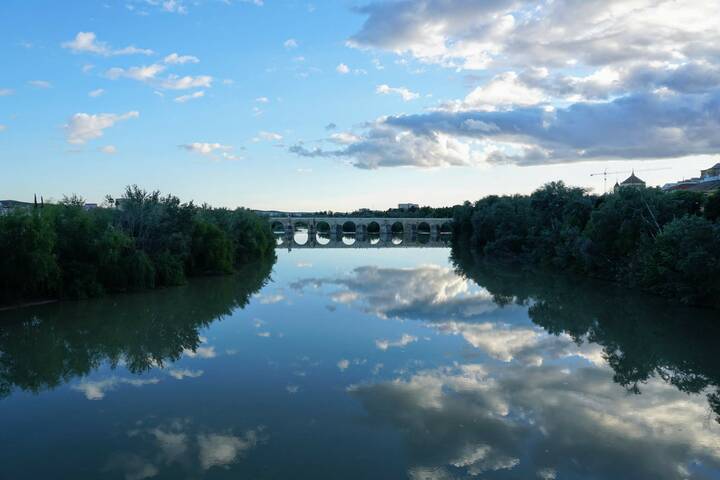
[(342, 69), (468, 35), (290, 43), (96, 93), (150, 74), (87, 42), (175, 82), (97, 389), (181, 374), (566, 81), (476, 418), (429, 292), (405, 340), (642, 126), (175, 59), (406, 94), (268, 136), (215, 151), (83, 127), (201, 352), (192, 96), (179, 445)]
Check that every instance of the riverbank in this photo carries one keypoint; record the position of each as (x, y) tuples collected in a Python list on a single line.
[(140, 241), (666, 243)]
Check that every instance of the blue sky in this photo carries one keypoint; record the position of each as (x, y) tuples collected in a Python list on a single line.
[(341, 105)]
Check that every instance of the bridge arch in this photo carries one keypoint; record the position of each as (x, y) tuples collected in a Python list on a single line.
[(423, 228), (397, 228), (322, 227), (445, 228), (349, 227), (277, 227), (373, 228)]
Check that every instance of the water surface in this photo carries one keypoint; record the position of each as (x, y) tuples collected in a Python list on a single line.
[(362, 363)]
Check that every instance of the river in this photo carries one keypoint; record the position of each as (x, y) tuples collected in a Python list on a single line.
[(374, 363)]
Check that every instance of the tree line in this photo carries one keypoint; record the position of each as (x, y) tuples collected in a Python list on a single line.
[(666, 243), (141, 240)]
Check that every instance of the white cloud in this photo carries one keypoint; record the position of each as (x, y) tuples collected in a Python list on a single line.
[(201, 352), (290, 43), (96, 93), (192, 96), (344, 138), (406, 94), (109, 149), (86, 42), (149, 74), (3, 128), (503, 91), (268, 136), (343, 364), (181, 374), (262, 100), (143, 73), (97, 389), (270, 299), (221, 450), (83, 127), (40, 83), (205, 148), (342, 69), (174, 82), (175, 59), (5, 92), (403, 341)]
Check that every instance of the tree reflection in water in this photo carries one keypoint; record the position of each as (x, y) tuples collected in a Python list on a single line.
[(642, 336), (44, 347)]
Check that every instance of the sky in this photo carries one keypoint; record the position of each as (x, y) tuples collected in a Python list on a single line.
[(338, 105)]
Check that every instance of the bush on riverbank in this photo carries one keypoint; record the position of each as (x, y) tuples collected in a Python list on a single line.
[(663, 242), (141, 240)]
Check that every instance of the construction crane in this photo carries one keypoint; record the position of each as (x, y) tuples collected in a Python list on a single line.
[(605, 173)]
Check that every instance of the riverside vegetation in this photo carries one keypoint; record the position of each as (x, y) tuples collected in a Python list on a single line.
[(666, 243), (142, 240)]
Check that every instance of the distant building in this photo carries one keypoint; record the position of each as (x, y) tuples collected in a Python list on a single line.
[(407, 206), (707, 182), (90, 206), (711, 173), (631, 182)]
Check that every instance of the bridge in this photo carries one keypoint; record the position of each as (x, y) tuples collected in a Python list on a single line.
[(362, 241), (337, 226)]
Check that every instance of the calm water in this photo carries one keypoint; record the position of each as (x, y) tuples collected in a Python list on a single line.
[(362, 363)]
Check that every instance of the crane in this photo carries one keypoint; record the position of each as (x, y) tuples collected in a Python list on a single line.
[(605, 173)]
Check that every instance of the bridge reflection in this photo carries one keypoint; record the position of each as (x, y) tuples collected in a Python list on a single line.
[(303, 239)]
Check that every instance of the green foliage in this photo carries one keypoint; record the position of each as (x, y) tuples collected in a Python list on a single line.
[(28, 266), (684, 261), (141, 240), (641, 237), (211, 249)]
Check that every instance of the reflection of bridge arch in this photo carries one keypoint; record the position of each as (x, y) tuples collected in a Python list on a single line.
[(423, 228), (368, 241)]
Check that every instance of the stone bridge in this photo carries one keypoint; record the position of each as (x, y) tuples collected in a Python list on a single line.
[(337, 226)]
